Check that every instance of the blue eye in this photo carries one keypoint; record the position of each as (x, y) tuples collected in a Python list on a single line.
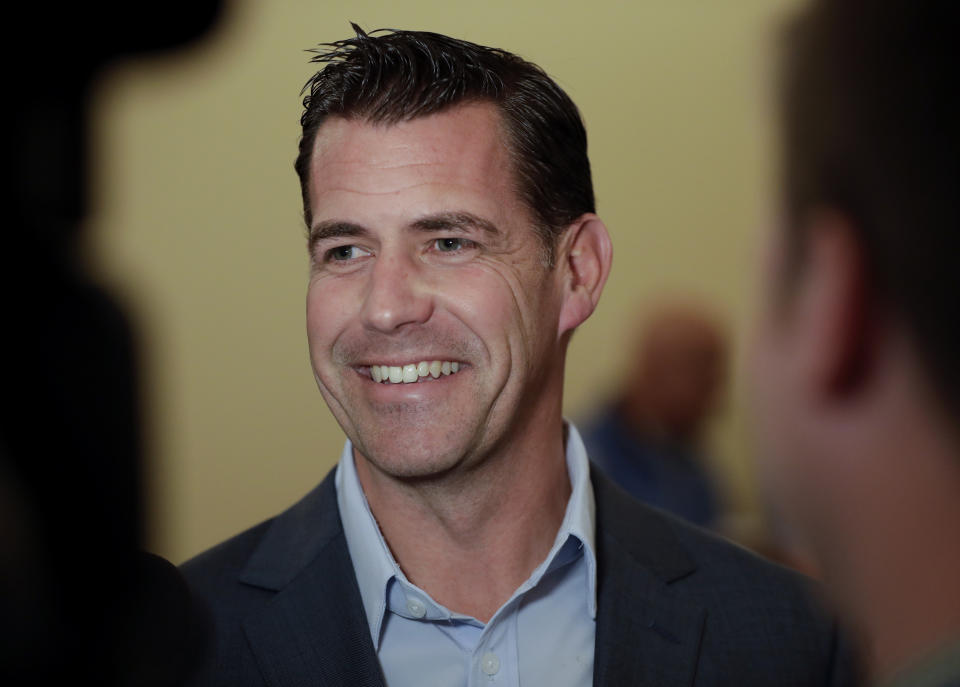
[(453, 244), (345, 253), (449, 245)]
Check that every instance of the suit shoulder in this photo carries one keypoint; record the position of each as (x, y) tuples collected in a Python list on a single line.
[(276, 548), (711, 566), (762, 623), (762, 616), (731, 567), (209, 569), (685, 554)]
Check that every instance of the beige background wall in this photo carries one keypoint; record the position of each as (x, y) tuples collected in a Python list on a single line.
[(196, 220)]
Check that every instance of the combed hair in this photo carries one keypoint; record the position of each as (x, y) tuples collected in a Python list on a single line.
[(390, 76), (871, 129)]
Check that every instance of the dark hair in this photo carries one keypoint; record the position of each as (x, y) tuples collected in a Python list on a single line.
[(870, 129), (395, 76)]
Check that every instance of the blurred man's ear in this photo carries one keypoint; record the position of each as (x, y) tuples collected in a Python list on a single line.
[(584, 257), (832, 307)]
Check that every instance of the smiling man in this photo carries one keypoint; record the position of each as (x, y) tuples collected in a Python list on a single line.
[(464, 538)]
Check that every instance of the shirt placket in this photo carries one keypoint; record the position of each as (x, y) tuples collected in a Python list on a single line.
[(494, 661)]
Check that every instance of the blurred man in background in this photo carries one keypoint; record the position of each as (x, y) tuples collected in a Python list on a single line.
[(856, 372), (649, 439)]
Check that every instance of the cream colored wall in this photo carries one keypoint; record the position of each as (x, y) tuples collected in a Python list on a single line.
[(196, 219)]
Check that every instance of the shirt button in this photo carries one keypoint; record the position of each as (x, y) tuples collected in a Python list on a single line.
[(416, 607), (490, 664)]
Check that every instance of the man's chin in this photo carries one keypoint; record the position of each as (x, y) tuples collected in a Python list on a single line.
[(414, 460)]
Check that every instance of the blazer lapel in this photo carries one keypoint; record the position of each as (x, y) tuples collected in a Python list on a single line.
[(647, 632), (313, 631)]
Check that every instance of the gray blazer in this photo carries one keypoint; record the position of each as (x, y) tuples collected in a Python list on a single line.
[(676, 606)]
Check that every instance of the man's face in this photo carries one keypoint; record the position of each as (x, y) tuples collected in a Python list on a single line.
[(794, 473), (770, 385), (422, 251)]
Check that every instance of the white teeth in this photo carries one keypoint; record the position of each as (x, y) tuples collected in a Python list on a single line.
[(412, 372)]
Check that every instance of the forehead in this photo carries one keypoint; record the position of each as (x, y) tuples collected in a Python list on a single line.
[(453, 160)]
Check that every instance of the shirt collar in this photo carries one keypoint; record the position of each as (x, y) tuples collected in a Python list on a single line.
[(375, 566), (581, 516)]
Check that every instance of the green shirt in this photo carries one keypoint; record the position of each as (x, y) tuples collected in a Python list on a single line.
[(939, 668)]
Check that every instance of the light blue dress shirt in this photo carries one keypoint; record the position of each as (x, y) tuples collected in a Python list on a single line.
[(543, 635)]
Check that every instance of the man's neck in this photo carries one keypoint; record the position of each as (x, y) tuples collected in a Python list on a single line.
[(469, 540), (907, 613), (896, 566)]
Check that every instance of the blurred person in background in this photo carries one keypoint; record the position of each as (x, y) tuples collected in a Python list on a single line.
[(649, 440), (856, 354)]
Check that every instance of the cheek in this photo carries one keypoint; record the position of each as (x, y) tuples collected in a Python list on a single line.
[(768, 357), (767, 384), (327, 309), (768, 393), (779, 423), (487, 298)]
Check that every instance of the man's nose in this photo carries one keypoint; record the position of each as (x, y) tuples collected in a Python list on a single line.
[(397, 294)]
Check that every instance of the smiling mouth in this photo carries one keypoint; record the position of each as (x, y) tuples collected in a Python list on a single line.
[(424, 371)]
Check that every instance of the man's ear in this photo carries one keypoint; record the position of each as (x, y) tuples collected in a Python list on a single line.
[(583, 260), (837, 325)]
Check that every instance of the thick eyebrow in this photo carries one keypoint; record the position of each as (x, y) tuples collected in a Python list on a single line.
[(454, 221), (332, 229), (442, 221)]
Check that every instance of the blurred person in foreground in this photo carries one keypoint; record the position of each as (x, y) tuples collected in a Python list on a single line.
[(649, 439), (80, 602), (463, 539), (856, 372)]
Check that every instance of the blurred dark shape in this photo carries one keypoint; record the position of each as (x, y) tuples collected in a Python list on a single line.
[(78, 601), (169, 628), (648, 439), (855, 373)]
